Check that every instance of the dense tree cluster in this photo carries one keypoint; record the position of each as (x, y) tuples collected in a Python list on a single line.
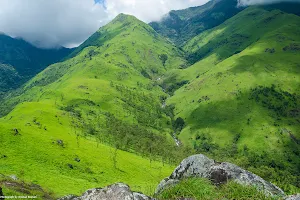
[(283, 103)]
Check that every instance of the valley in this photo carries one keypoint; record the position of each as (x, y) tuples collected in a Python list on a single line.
[(135, 99)]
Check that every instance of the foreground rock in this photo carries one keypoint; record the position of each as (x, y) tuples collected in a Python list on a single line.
[(293, 197), (218, 173), (118, 191)]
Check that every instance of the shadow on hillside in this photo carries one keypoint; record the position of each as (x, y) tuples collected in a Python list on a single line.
[(258, 63), (237, 36), (240, 113), (223, 46), (221, 115), (260, 105)]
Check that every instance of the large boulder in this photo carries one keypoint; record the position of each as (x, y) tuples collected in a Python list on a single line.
[(218, 173), (118, 191)]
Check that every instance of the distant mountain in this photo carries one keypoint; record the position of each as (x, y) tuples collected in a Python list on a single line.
[(22, 61), (288, 7), (182, 25)]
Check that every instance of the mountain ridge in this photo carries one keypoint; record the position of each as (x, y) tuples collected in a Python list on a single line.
[(25, 60), (113, 110), (180, 26)]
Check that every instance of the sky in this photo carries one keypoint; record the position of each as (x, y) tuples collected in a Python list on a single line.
[(55, 23)]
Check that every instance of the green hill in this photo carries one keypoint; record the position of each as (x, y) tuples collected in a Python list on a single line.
[(64, 119), (182, 25), (240, 101), (112, 109), (20, 61)]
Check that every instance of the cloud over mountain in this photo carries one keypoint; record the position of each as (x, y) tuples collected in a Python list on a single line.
[(69, 22)]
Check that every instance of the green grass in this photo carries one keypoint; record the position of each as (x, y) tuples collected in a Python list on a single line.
[(15, 189), (202, 189), (21, 61), (103, 100), (36, 156), (103, 106), (223, 117)]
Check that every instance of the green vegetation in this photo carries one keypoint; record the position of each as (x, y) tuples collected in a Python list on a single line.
[(242, 100), (182, 25), (111, 111), (9, 78), (85, 112), (19, 188), (61, 157), (202, 189), (20, 61)]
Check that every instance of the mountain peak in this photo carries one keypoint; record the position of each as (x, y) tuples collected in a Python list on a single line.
[(119, 25), (124, 18)]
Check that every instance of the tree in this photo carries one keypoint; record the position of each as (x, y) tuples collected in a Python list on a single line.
[(179, 124), (163, 58)]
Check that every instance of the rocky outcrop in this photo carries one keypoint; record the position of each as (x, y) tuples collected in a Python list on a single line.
[(293, 197), (118, 191), (193, 166), (218, 173)]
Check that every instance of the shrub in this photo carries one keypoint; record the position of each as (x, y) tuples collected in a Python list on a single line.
[(202, 189)]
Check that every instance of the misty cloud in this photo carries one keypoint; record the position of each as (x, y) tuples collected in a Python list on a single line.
[(261, 2), (52, 23)]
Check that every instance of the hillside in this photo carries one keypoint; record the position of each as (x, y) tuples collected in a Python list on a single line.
[(10, 78), (240, 99), (83, 112), (182, 25), (128, 105), (20, 61)]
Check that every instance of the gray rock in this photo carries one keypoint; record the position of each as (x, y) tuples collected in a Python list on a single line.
[(218, 173), (293, 197), (118, 191), (68, 197), (13, 177)]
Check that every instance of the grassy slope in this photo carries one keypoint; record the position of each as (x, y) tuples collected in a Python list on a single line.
[(71, 100), (238, 56), (35, 156)]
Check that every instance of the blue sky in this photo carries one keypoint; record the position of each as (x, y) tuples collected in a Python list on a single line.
[(99, 1)]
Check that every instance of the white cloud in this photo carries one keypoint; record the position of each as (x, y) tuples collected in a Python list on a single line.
[(50, 23), (149, 10)]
